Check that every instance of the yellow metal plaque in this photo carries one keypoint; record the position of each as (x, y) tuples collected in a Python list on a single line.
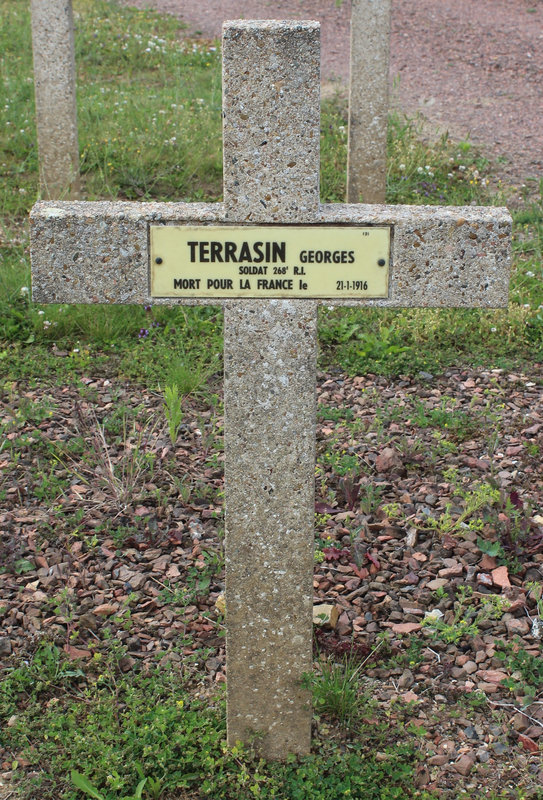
[(269, 261)]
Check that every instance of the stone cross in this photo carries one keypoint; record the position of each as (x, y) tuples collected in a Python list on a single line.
[(270, 228), (368, 101), (54, 85)]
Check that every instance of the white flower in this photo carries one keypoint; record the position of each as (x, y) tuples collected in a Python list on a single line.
[(493, 330), (529, 274), (401, 167), (450, 175), (420, 170), (41, 313), (24, 291)]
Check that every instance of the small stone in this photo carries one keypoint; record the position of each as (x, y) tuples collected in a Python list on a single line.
[(487, 688), (499, 748), (457, 672), (325, 615), (409, 697), (470, 732), (388, 459), (138, 580), (491, 675), (516, 597), (161, 564), (75, 653), (484, 579), (520, 722), (534, 731), (482, 755), (455, 571), (220, 604), (495, 730), (88, 622), (172, 573), (105, 610), (464, 765), (487, 562), (406, 679), (406, 627), (5, 646), (470, 667), (500, 578), (518, 627), (411, 538), (437, 583), (528, 744), (438, 760), (344, 625)]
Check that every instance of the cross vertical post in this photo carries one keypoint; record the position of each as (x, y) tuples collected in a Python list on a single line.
[(368, 101), (54, 84), (271, 80)]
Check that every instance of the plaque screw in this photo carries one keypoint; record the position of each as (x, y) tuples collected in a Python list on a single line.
[(158, 260), (381, 262)]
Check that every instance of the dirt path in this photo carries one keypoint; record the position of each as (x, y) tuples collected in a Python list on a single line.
[(472, 68)]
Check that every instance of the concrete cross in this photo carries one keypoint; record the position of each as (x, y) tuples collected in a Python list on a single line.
[(271, 219)]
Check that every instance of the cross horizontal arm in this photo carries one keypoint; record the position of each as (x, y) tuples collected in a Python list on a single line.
[(98, 252)]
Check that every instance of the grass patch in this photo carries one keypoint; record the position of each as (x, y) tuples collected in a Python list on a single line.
[(119, 729), (149, 119)]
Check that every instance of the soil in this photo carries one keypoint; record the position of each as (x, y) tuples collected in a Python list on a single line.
[(471, 68)]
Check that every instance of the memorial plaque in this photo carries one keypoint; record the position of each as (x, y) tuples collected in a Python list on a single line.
[(269, 261)]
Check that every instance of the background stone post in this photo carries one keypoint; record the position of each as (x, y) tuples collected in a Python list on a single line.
[(56, 111), (368, 101)]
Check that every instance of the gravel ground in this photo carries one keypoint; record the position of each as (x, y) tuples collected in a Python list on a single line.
[(86, 557), (472, 68)]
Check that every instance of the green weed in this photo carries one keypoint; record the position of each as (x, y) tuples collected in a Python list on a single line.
[(526, 670), (335, 687), (466, 617), (172, 411), (143, 735)]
